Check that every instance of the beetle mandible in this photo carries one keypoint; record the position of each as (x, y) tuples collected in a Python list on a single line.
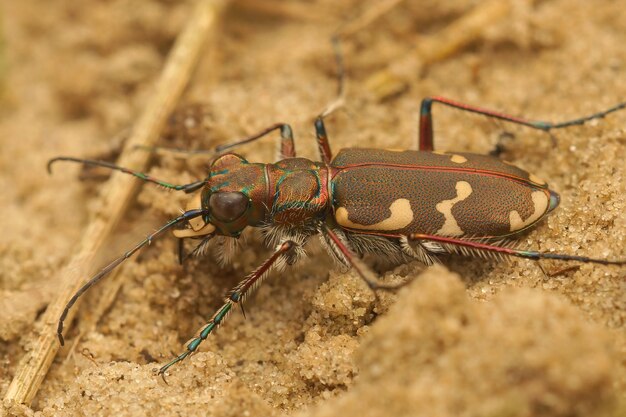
[(440, 202)]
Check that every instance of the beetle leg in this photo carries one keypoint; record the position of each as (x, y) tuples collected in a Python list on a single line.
[(181, 251), (287, 148), (320, 130), (345, 255), (322, 140), (187, 188), (426, 137), (287, 145), (237, 296), (197, 250), (475, 247)]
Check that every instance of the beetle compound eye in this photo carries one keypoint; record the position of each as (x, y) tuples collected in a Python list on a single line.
[(228, 206)]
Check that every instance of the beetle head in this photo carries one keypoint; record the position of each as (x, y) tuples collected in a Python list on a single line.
[(232, 199)]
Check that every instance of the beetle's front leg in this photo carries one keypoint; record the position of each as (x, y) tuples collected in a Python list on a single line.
[(287, 148), (284, 254), (287, 144)]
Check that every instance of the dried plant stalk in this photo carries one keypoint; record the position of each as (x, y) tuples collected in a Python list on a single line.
[(281, 9), (116, 196), (454, 37), (372, 14)]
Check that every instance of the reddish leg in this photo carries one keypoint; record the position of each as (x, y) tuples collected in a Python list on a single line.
[(426, 137), (341, 250), (472, 248), (320, 130), (236, 296), (287, 145), (322, 141)]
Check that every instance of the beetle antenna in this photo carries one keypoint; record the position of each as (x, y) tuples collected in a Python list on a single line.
[(187, 188), (115, 263), (176, 152)]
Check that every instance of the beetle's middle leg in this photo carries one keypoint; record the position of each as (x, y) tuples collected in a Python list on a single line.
[(320, 130), (284, 253), (346, 256), (426, 136), (287, 144)]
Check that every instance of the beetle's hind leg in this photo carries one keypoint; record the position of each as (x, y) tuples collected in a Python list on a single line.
[(499, 250), (285, 253), (426, 135)]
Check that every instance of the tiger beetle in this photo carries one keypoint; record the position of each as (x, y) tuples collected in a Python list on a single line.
[(402, 205)]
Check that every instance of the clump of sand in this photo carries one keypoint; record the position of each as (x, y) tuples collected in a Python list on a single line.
[(439, 352)]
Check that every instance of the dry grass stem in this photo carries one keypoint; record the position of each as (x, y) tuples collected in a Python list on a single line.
[(467, 29), (116, 196)]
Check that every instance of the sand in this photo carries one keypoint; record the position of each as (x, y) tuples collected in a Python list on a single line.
[(468, 338)]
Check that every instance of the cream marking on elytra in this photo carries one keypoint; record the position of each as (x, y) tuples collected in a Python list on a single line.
[(458, 159), (450, 226), (401, 216), (536, 179), (540, 200)]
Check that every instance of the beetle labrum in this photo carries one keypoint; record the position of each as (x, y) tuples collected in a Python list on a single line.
[(441, 202)]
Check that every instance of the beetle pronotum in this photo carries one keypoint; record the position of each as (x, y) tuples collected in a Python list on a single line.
[(440, 202)]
